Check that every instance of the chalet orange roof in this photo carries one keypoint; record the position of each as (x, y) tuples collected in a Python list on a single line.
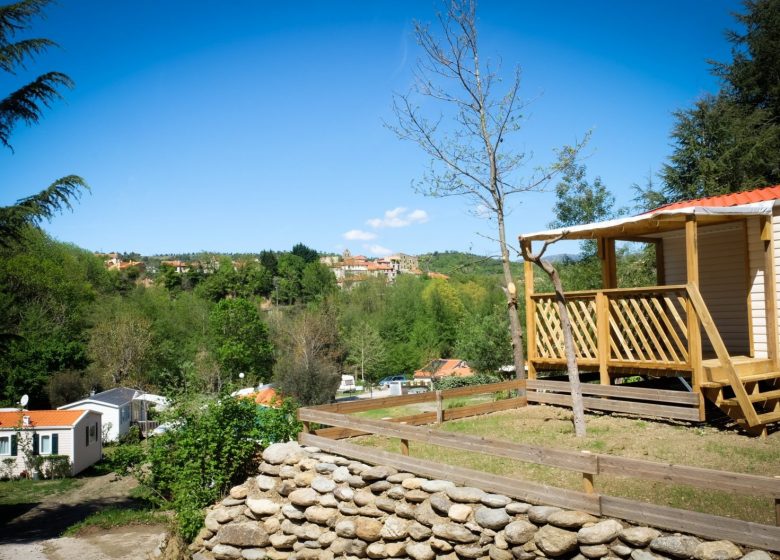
[(40, 418), (725, 200), (445, 368)]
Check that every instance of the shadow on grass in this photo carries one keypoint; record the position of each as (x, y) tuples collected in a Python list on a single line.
[(38, 519)]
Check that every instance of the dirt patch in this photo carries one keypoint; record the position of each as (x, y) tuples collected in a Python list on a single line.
[(121, 543), (35, 533)]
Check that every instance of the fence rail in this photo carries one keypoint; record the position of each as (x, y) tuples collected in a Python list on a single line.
[(589, 465)]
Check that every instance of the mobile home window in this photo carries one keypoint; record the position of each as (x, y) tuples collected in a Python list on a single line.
[(92, 433), (124, 414), (45, 445), (5, 445)]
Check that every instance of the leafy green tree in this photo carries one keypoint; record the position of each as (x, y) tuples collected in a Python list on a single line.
[(170, 279), (308, 254), (483, 341), (317, 281), (25, 104), (579, 201), (47, 290), (269, 262), (730, 141), (239, 340), (445, 311), (290, 268)]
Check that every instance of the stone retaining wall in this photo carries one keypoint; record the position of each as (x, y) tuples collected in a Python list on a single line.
[(307, 505)]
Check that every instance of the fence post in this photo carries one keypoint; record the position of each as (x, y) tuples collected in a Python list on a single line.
[(587, 478), (439, 411), (306, 427), (405, 447)]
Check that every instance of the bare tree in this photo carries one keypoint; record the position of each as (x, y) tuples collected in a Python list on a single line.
[(577, 406), (467, 140)]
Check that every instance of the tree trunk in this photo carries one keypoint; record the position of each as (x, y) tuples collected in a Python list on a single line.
[(515, 328), (577, 407)]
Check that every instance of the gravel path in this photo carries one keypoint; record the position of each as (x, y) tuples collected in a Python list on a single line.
[(35, 535)]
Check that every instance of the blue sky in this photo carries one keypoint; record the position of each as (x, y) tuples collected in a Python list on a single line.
[(244, 125)]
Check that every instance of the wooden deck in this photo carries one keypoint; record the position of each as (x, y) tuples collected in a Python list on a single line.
[(654, 331)]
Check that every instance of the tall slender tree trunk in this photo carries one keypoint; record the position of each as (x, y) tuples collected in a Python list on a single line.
[(515, 327)]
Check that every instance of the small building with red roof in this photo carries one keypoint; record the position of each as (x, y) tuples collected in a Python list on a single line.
[(39, 435), (436, 369)]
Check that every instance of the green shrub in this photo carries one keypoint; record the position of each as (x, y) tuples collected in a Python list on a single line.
[(455, 382), (213, 448), (133, 435), (57, 466), (124, 457), (457, 403)]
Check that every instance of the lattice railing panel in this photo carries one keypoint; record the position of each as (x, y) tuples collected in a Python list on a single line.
[(650, 328), (549, 333)]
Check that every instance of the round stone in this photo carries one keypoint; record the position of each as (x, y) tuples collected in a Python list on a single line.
[(276, 453), (495, 500), (600, 533), (454, 532), (368, 529), (554, 541), (262, 506), (519, 532), (433, 486), (459, 512), (265, 483), (323, 485), (464, 494), (304, 497), (420, 551), (491, 518), (571, 519), (539, 514)]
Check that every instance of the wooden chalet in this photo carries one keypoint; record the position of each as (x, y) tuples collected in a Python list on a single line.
[(711, 318)]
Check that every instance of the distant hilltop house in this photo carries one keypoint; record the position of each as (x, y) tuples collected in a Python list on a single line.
[(437, 369), (350, 269), (121, 407), (179, 267), (48, 433), (113, 261)]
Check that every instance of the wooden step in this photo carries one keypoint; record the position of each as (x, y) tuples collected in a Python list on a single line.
[(743, 365), (755, 398), (744, 378)]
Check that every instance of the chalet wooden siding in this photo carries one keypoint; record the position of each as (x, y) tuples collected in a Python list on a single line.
[(776, 238), (722, 279), (756, 282)]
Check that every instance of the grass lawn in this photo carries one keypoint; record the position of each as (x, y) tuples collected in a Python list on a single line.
[(117, 517), (614, 435), (28, 491)]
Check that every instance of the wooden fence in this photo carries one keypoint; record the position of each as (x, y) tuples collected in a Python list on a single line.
[(659, 403), (587, 464)]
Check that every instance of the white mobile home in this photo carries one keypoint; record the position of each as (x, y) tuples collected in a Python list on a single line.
[(117, 407), (47, 433)]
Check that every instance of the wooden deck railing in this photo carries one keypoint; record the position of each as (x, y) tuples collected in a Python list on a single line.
[(644, 328)]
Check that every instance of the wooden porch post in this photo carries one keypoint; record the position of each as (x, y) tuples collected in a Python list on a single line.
[(602, 336), (694, 332), (770, 291), (608, 263), (530, 317)]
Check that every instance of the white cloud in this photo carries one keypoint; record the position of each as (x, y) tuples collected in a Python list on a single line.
[(378, 250), (359, 235), (399, 217)]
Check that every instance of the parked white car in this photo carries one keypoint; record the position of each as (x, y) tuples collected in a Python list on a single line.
[(348, 384)]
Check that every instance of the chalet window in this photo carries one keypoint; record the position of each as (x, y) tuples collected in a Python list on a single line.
[(124, 414), (46, 445), (92, 438), (5, 445)]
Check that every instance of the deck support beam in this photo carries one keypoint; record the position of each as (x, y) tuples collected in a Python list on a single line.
[(694, 330), (530, 317), (606, 249), (770, 291)]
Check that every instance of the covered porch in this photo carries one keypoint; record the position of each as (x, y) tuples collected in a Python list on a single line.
[(710, 318)]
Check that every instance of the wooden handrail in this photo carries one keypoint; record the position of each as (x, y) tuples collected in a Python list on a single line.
[(700, 307), (616, 291)]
